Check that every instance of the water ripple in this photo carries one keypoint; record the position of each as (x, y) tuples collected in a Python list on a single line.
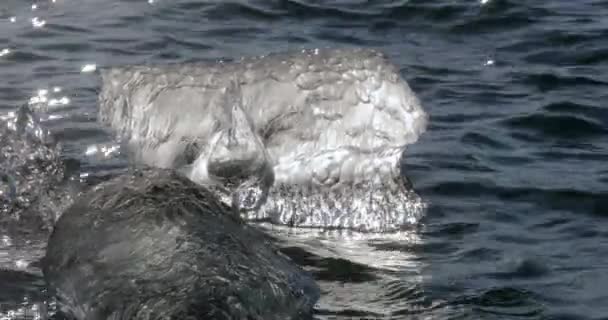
[(513, 163), (558, 126)]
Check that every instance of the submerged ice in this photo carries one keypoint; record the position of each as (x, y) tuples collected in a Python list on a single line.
[(312, 138)]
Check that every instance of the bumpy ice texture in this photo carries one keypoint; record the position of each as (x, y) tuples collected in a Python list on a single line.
[(334, 124), (31, 172)]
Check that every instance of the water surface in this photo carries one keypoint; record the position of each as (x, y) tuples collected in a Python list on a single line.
[(513, 163)]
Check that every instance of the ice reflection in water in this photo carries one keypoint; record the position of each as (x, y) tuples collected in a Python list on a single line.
[(372, 274)]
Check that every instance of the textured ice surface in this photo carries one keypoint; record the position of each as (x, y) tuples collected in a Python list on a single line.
[(30, 171), (333, 122)]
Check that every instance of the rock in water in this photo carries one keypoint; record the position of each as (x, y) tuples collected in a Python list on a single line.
[(154, 245)]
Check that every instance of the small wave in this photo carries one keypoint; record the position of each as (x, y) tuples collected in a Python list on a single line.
[(484, 141), (462, 162), (557, 126), (505, 301), (234, 32), (397, 299), (19, 56), (523, 268), (545, 82), (584, 57), (499, 15), (263, 11), (456, 229), (561, 155), (307, 9), (383, 14), (578, 109), (435, 12), (477, 255), (69, 29), (65, 46), (558, 199)]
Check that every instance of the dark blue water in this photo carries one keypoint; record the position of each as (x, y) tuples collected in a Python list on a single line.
[(514, 164)]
